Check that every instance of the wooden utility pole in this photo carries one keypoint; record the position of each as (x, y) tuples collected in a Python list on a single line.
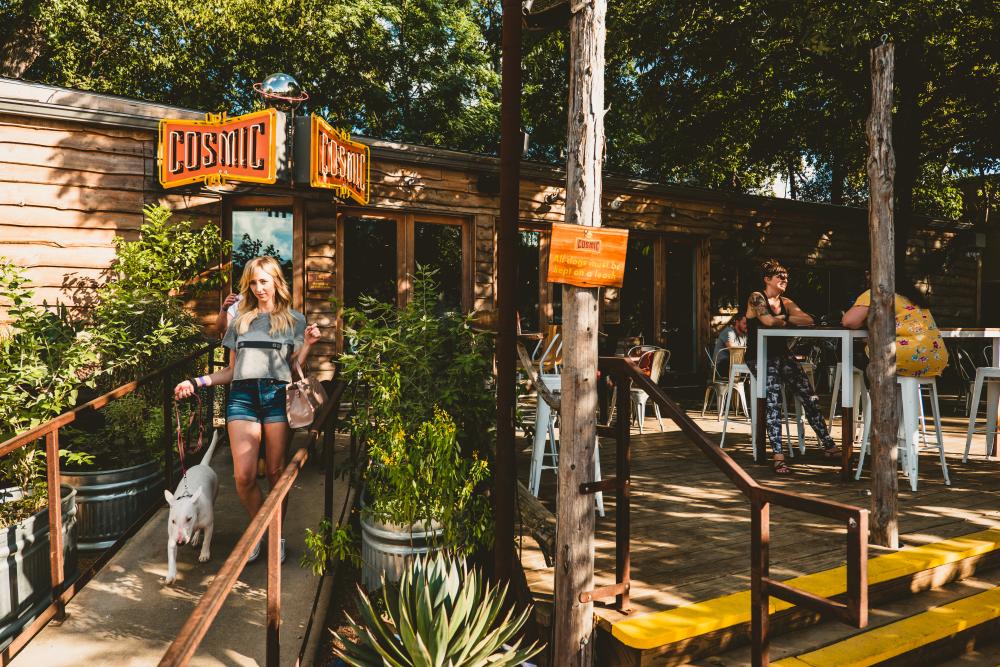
[(574, 567), (882, 312), (505, 473)]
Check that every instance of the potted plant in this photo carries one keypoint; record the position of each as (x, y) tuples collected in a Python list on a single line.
[(24, 554), (440, 613), (123, 476), (425, 416)]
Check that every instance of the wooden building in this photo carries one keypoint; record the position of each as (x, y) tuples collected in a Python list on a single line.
[(76, 169)]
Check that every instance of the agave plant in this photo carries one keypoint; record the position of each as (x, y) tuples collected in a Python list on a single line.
[(440, 614)]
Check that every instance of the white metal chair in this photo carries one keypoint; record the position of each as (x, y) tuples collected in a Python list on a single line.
[(987, 374), (910, 397), (716, 383), (720, 385), (966, 369), (658, 358), (861, 397), (739, 373)]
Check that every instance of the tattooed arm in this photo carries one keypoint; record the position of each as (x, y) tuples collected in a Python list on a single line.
[(797, 316), (757, 308)]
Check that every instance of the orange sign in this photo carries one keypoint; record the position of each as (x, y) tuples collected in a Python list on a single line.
[(338, 163), (587, 256), (220, 149)]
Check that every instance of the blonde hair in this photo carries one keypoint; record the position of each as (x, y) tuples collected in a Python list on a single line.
[(281, 316)]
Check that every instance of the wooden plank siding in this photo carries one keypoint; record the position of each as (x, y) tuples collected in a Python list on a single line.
[(68, 187)]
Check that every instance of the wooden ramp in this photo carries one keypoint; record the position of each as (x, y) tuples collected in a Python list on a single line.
[(690, 540), (126, 617)]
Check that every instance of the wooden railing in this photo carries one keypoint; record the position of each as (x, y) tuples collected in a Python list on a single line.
[(63, 591), (267, 518), (853, 612)]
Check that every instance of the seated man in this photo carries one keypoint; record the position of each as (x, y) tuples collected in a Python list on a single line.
[(733, 335)]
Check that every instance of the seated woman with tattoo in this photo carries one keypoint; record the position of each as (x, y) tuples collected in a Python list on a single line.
[(770, 308)]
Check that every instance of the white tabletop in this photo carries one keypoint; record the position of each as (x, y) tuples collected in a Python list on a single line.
[(965, 332), (844, 335)]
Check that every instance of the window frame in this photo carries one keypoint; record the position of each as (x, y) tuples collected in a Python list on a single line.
[(405, 251)]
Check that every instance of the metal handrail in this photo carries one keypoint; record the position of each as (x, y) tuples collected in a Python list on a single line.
[(854, 612), (268, 518), (63, 591)]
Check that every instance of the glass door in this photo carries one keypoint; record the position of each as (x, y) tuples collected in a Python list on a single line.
[(262, 231)]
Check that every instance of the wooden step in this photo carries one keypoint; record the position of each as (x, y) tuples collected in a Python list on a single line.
[(710, 627), (922, 639)]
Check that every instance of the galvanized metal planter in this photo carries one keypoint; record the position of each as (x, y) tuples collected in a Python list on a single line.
[(25, 579), (388, 548), (109, 501)]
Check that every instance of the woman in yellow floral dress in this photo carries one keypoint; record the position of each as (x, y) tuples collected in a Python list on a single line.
[(920, 350)]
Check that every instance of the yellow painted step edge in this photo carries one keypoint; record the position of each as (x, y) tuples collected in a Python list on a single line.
[(666, 627), (902, 637)]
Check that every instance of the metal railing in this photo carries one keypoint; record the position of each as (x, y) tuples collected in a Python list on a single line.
[(268, 518), (63, 591), (852, 612)]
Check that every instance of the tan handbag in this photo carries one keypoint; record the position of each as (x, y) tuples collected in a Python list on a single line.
[(303, 397)]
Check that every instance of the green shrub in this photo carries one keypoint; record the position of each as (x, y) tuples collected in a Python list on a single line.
[(44, 359), (138, 324), (425, 413)]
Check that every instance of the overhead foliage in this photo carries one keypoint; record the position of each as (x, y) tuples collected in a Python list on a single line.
[(416, 70), (711, 93)]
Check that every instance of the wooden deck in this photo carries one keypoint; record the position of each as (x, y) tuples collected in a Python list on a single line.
[(690, 526)]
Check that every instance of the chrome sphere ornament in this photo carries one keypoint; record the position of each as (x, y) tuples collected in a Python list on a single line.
[(281, 91)]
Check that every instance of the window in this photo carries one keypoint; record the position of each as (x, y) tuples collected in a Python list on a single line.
[(368, 262), (379, 253), (258, 232), (528, 279), (439, 247)]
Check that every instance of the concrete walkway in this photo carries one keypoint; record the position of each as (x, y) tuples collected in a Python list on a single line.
[(125, 616)]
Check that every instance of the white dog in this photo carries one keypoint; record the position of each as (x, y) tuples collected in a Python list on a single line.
[(192, 515)]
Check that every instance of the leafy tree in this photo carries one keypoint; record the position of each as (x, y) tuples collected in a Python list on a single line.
[(416, 70), (705, 92)]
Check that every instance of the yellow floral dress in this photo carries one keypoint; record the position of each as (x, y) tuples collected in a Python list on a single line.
[(920, 350)]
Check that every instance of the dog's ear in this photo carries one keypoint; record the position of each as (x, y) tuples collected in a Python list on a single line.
[(196, 495), (169, 496)]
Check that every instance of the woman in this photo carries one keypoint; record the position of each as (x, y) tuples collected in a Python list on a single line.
[(771, 309), (261, 339), (920, 350)]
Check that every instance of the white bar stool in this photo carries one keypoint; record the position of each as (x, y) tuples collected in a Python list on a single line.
[(861, 397), (739, 373), (544, 444), (910, 398), (991, 376)]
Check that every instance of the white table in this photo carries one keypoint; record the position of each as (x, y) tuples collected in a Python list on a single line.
[(846, 338), (992, 388)]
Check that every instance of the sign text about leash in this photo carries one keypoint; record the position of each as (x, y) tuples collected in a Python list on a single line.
[(587, 256)]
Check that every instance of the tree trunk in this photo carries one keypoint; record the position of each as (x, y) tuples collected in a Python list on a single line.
[(906, 138), (838, 174), (22, 42), (881, 314), (574, 571), (793, 189)]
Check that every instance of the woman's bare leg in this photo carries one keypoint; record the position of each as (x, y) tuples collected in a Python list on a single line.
[(276, 438), (244, 443)]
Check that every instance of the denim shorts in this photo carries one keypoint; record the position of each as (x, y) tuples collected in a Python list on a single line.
[(261, 401)]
